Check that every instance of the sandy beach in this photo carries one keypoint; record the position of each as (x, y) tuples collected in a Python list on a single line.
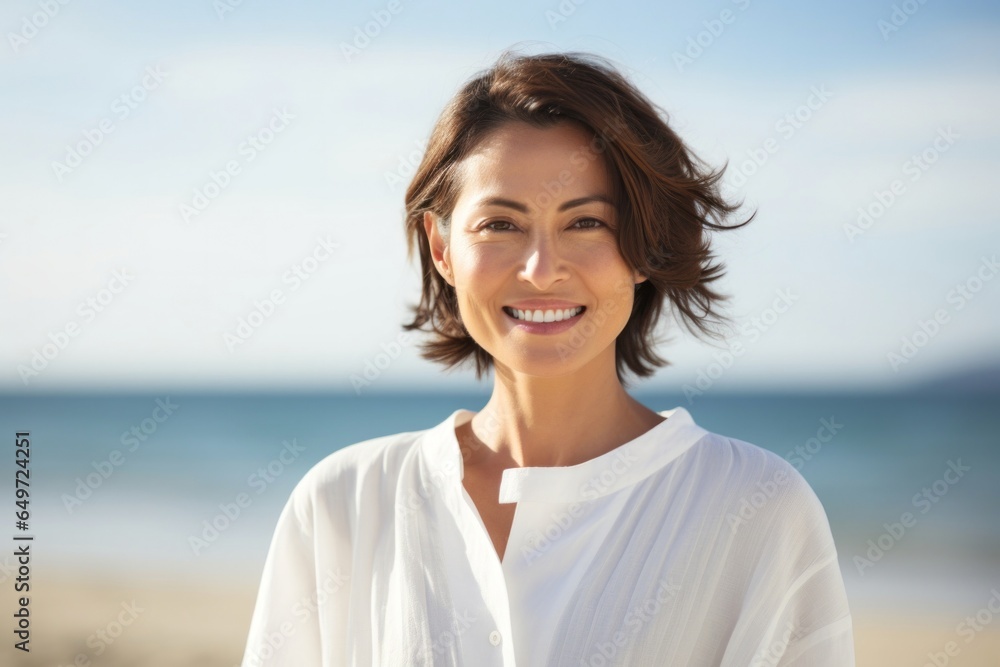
[(166, 623), (95, 621)]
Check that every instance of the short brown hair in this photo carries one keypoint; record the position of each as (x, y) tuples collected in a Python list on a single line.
[(664, 196)]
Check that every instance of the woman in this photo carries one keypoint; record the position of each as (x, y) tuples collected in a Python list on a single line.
[(564, 523)]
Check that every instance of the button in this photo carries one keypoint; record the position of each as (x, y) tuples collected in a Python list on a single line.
[(495, 638)]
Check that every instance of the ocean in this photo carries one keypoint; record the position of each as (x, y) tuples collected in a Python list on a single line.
[(191, 484)]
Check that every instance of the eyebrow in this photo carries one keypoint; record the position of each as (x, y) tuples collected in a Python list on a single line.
[(518, 206)]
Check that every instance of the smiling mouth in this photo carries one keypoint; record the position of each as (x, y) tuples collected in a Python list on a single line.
[(547, 315)]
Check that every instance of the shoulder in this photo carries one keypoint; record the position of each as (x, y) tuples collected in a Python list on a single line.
[(358, 460), (746, 469), (341, 480), (763, 494), (782, 559)]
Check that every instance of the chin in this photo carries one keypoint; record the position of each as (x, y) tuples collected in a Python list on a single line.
[(557, 363)]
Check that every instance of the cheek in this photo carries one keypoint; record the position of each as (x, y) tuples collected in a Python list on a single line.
[(488, 262), (611, 276), (481, 271), (604, 258)]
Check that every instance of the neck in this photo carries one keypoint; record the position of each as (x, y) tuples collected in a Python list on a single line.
[(533, 421)]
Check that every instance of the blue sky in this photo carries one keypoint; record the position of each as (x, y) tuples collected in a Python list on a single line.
[(332, 174)]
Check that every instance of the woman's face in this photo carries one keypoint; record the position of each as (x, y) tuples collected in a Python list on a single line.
[(533, 222)]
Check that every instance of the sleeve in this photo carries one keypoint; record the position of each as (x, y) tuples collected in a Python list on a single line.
[(811, 623), (815, 625), (284, 630)]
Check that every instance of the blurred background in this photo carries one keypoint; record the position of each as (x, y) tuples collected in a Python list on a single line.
[(203, 280)]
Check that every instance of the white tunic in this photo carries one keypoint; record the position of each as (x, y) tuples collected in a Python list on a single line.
[(681, 547)]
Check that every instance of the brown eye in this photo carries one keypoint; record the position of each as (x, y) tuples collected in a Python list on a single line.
[(599, 224), (489, 225)]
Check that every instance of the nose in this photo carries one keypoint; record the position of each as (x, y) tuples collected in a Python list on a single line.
[(544, 264)]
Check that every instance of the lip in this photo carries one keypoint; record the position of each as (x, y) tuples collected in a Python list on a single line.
[(543, 304), (545, 328)]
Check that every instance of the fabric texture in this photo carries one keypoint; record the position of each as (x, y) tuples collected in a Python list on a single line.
[(680, 547)]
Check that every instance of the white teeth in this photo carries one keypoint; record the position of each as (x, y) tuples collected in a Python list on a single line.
[(545, 315)]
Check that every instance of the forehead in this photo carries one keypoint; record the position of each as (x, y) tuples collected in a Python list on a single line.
[(521, 160)]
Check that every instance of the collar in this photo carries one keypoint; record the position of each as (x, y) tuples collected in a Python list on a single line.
[(626, 465)]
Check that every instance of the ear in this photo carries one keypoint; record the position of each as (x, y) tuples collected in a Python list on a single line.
[(440, 251)]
